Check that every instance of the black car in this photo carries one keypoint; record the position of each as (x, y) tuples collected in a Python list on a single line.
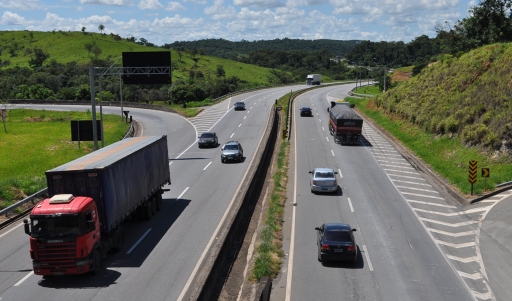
[(232, 151), (306, 111), (336, 242), (208, 139), (239, 105)]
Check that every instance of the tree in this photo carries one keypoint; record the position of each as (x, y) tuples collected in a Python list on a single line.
[(220, 71), (38, 59), (96, 51), (83, 30), (88, 47), (489, 22), (101, 28)]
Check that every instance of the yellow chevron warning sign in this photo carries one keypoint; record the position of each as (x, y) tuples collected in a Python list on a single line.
[(485, 172), (472, 171)]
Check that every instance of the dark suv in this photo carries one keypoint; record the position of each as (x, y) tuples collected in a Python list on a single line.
[(208, 139), (232, 151)]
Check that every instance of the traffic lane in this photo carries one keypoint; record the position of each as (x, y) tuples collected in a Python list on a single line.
[(15, 262), (399, 246), (311, 278), (180, 133), (400, 240), (495, 242)]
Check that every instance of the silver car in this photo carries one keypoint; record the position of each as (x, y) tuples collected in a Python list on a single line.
[(323, 180)]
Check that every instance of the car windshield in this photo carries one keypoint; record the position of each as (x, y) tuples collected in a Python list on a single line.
[(338, 235), (306, 109), (324, 174), (58, 227), (231, 147), (207, 135), (240, 103)]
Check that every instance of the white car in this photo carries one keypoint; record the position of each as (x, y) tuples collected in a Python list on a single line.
[(323, 180)]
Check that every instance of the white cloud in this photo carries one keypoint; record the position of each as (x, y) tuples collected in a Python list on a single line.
[(220, 12), (21, 5), (197, 1), (79, 8), (107, 2), (259, 3), (10, 18), (174, 6), (150, 4)]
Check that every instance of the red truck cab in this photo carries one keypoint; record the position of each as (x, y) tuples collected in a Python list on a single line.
[(64, 235)]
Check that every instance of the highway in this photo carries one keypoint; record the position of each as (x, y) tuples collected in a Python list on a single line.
[(413, 243), (161, 256)]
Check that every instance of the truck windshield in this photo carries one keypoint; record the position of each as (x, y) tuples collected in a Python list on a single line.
[(55, 227)]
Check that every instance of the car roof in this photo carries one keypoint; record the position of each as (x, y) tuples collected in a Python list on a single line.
[(232, 142), (239, 103), (339, 226), (323, 169)]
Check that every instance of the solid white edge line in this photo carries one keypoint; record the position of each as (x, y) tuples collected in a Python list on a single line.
[(367, 256), (14, 228), (215, 233), (24, 278), (292, 234), (207, 166), (350, 203), (138, 241)]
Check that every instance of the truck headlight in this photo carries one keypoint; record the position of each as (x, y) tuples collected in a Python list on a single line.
[(82, 262)]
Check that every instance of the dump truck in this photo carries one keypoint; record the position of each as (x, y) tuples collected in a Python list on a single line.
[(313, 79), (72, 230), (344, 123)]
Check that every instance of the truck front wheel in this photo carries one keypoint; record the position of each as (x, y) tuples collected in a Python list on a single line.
[(96, 262)]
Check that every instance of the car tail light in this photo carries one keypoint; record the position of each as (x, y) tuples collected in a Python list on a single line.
[(325, 247), (351, 248)]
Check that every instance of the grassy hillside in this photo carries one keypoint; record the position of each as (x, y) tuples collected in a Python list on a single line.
[(467, 97), (17, 48), (454, 111)]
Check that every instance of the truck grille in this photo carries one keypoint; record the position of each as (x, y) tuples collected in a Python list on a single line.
[(56, 255)]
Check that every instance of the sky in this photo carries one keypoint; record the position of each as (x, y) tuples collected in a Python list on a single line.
[(164, 22)]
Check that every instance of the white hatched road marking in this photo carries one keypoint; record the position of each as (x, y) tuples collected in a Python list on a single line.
[(409, 172), (414, 183), (453, 225), (407, 177), (423, 195), (474, 276), (452, 213), (464, 260), (394, 165), (432, 204), (459, 234), (413, 188), (456, 246)]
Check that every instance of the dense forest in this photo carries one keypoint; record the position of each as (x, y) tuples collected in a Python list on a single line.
[(236, 50)]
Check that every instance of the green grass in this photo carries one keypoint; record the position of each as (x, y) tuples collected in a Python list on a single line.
[(448, 156), (269, 253), (39, 140)]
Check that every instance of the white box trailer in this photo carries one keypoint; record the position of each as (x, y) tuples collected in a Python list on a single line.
[(314, 79)]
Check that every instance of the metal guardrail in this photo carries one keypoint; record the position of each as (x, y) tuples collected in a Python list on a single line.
[(24, 201)]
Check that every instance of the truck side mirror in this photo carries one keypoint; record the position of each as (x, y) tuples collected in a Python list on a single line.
[(91, 226), (27, 226), (328, 109)]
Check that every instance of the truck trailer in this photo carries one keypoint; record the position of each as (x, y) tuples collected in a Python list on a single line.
[(314, 79), (344, 124), (88, 199)]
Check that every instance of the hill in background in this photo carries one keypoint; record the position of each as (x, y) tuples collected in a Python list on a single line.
[(17, 49), (232, 50), (468, 97)]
